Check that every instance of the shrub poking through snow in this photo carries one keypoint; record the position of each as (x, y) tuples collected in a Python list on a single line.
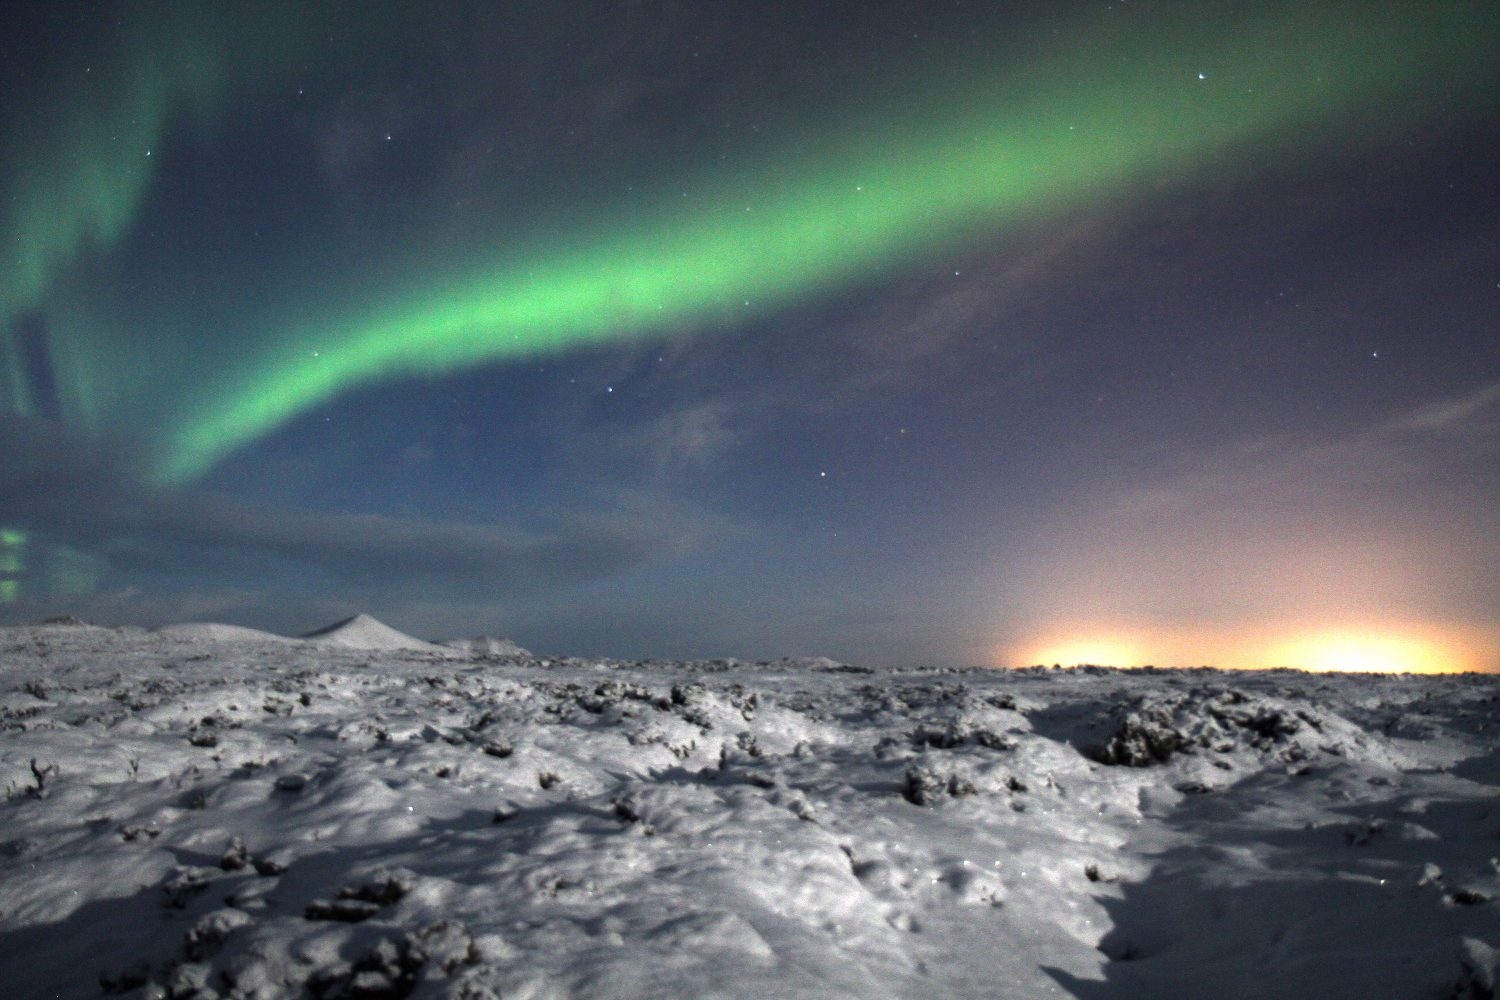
[(1365, 831), (954, 734), (41, 773), (361, 902), (394, 967), (924, 784), (183, 886), (346, 911), (959, 732), (235, 856), (123, 982), (207, 936), (269, 867), (1143, 739)]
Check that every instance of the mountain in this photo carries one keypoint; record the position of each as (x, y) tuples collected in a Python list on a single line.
[(364, 632)]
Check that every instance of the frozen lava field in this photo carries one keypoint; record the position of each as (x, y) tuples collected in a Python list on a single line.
[(206, 812)]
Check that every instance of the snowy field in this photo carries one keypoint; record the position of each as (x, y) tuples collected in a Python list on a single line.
[(211, 812)]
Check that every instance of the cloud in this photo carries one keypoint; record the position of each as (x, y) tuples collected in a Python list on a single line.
[(1001, 285), (85, 495), (1384, 522), (689, 438), (1407, 449), (1453, 415)]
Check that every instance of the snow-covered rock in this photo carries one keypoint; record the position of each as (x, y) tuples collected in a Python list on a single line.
[(1217, 720)]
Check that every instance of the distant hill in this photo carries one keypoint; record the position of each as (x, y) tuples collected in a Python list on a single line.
[(215, 632)]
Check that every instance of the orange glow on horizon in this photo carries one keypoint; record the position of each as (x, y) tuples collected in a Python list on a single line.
[(1404, 648), (1367, 650)]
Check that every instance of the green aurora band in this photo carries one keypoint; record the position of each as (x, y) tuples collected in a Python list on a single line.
[(78, 130), (1099, 118), (12, 563)]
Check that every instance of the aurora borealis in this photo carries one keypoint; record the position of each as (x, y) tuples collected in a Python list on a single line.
[(422, 230)]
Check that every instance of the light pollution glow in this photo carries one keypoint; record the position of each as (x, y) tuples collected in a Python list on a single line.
[(1372, 648)]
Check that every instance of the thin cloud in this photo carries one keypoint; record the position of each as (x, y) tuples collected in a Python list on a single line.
[(1451, 415), (80, 494)]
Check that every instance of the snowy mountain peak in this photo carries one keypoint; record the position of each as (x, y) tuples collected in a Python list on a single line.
[(364, 632)]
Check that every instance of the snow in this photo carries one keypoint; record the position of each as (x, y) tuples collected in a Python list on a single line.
[(195, 814)]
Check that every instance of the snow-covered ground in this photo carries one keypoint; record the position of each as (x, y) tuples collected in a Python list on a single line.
[(209, 812)]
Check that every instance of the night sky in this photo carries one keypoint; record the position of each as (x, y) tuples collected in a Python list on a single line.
[(957, 333)]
